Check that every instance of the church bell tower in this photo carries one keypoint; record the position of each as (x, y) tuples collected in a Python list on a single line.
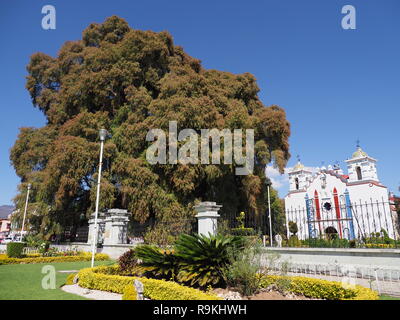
[(362, 167)]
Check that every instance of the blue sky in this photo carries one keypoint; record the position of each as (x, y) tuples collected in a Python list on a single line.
[(336, 85)]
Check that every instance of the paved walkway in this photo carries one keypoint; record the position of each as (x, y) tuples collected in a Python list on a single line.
[(91, 294)]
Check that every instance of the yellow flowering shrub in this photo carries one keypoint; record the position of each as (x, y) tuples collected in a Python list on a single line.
[(321, 289), (380, 246), (103, 278), (81, 257), (70, 279), (129, 293)]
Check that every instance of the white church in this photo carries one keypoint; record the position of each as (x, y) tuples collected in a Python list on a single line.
[(351, 205)]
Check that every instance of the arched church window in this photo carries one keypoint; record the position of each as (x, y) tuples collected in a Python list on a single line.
[(296, 181), (359, 175)]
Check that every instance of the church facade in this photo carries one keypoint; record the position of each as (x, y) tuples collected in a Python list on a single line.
[(352, 205)]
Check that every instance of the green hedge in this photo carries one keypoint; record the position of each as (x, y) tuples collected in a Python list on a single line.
[(104, 278), (14, 249), (320, 289), (243, 232), (82, 257)]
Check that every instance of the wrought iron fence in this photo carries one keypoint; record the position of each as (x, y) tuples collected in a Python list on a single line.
[(370, 224), (142, 232), (258, 223)]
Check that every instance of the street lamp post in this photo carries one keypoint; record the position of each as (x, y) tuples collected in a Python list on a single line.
[(102, 134), (268, 183), (26, 208)]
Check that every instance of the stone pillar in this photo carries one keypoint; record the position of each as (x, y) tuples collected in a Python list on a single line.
[(116, 226), (207, 215), (100, 224)]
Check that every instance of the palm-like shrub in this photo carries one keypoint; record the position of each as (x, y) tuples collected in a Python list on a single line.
[(203, 258), (157, 262)]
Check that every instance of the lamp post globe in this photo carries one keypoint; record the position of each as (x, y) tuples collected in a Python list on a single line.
[(103, 134)]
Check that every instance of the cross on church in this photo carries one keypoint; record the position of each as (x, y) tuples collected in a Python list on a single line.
[(298, 158), (358, 143)]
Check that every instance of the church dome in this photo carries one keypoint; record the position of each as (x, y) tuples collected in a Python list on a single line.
[(298, 166), (359, 153)]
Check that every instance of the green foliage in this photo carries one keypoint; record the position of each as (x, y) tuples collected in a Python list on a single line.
[(103, 278), (243, 232), (294, 241), (157, 262), (326, 243), (243, 269), (165, 233), (128, 262), (44, 249), (80, 257), (34, 241), (203, 258), (320, 289), (15, 249), (130, 81), (240, 220), (293, 227)]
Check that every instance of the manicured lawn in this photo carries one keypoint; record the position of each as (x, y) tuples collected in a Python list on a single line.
[(383, 297), (24, 281)]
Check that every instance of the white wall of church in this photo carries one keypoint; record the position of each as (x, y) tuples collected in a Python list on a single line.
[(371, 210)]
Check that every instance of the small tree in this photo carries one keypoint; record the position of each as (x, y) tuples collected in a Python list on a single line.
[(293, 227), (240, 220)]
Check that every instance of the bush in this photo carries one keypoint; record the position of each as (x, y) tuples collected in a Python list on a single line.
[(157, 262), (243, 232), (81, 257), (70, 279), (129, 293), (102, 278), (203, 258), (242, 270), (320, 289), (128, 262), (44, 248), (293, 227), (196, 260), (294, 241), (14, 249), (327, 243), (34, 241)]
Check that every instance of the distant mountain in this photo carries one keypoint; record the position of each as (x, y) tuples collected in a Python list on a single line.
[(5, 211)]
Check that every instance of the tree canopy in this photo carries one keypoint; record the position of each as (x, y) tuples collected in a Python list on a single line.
[(130, 81)]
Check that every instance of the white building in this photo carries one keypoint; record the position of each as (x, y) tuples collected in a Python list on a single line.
[(329, 201)]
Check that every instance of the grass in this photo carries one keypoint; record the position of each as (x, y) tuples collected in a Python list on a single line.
[(384, 297), (24, 281)]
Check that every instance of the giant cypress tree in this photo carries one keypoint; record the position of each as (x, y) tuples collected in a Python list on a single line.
[(129, 81)]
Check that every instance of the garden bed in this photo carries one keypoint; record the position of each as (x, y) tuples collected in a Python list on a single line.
[(106, 278)]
